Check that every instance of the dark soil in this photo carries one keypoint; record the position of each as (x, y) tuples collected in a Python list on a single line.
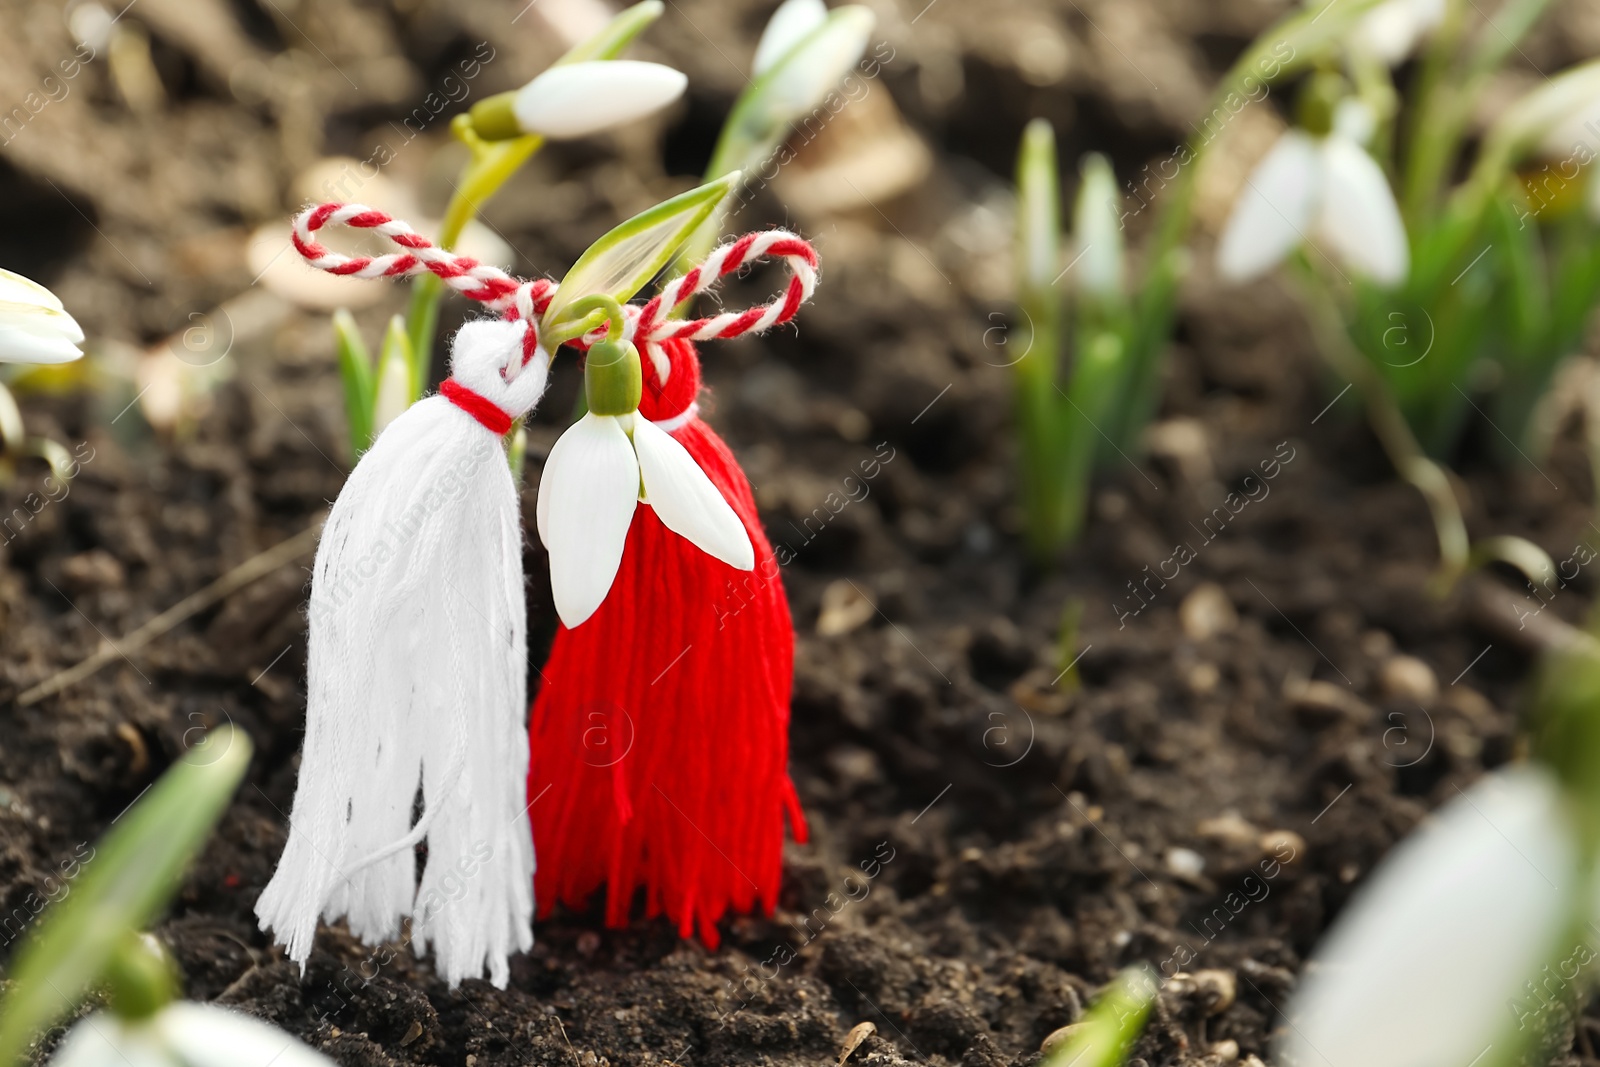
[(1020, 828)]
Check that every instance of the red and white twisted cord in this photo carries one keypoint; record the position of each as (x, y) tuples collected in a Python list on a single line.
[(647, 326)]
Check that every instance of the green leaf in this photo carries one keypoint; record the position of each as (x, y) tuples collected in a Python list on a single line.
[(1106, 1035), (1525, 291), (124, 884), (355, 370), (1093, 393), (1039, 423), (792, 88), (624, 260), (615, 36)]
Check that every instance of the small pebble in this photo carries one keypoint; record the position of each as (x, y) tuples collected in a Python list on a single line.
[(1111, 505), (1325, 702), (1203, 678), (844, 608), (1226, 1051), (1377, 644), (1206, 612), (588, 942), (1285, 846), (1229, 828), (94, 569), (1185, 862), (852, 425), (1408, 678), (1349, 873), (1253, 1060), (1217, 987), (1183, 441), (1060, 1037)]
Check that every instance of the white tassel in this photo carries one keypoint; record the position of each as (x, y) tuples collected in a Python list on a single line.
[(416, 671)]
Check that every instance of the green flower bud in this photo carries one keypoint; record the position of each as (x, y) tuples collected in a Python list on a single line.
[(1318, 99), (613, 380), (142, 976)]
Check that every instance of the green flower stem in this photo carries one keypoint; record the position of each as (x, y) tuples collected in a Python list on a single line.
[(1444, 108), (493, 162), (1305, 35), (1391, 429), (1431, 133), (492, 165)]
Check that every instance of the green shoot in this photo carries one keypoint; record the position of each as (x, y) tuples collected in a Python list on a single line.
[(128, 880), (1106, 1035), (355, 370), (1037, 369)]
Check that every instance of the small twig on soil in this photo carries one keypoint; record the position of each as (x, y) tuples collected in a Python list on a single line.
[(252, 569), (1492, 606)]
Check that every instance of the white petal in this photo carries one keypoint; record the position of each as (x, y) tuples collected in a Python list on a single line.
[(1097, 230), (204, 1035), (685, 500), (577, 99), (103, 1040), (1359, 220), (14, 288), (1420, 967), (792, 21), (1354, 120), (35, 332), (1557, 116), (1274, 210), (587, 494), (1390, 32)]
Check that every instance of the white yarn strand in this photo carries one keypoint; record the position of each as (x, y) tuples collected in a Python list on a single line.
[(417, 660)]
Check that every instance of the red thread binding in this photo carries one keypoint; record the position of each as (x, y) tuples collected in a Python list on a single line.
[(486, 411)]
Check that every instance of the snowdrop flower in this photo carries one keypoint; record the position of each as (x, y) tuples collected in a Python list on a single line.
[(578, 99), (34, 327), (790, 24), (1324, 189), (183, 1034), (1457, 923), (1561, 117), (606, 464), (1391, 31)]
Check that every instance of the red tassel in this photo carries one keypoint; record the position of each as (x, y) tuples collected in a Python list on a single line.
[(660, 734)]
